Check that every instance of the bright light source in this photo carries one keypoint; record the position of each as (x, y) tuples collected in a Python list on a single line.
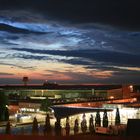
[(111, 97), (41, 98), (133, 100), (89, 104), (37, 110), (6, 106), (131, 88)]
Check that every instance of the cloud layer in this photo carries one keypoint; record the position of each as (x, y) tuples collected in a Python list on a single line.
[(42, 48)]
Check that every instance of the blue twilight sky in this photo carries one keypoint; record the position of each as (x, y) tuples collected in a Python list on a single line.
[(44, 47)]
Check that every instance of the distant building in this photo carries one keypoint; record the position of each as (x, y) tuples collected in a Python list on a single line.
[(62, 91), (100, 93), (55, 91), (115, 94)]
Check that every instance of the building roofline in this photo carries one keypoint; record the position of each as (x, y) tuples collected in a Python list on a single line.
[(60, 87)]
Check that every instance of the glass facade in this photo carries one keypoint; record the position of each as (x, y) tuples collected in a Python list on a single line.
[(52, 93)]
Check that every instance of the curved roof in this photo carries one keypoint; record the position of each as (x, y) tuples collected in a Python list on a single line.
[(63, 112)]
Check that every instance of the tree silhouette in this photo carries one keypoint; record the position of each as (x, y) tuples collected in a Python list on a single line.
[(105, 119), (91, 124), (57, 127), (117, 117), (47, 126), (67, 128), (76, 126), (45, 105), (6, 114), (3, 107), (84, 124), (35, 126), (98, 119)]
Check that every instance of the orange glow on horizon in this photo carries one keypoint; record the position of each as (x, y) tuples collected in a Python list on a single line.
[(40, 70)]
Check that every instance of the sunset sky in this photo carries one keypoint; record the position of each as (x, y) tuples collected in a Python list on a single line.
[(69, 42)]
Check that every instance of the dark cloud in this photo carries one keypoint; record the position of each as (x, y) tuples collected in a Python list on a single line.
[(117, 78), (11, 29), (123, 78), (13, 37), (119, 12), (109, 57), (26, 56), (6, 42)]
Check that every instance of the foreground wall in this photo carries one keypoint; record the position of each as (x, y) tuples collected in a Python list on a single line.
[(78, 137)]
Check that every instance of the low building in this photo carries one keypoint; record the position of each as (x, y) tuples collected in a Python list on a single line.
[(29, 106)]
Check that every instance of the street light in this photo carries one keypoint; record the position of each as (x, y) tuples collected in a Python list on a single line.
[(111, 97), (131, 88)]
